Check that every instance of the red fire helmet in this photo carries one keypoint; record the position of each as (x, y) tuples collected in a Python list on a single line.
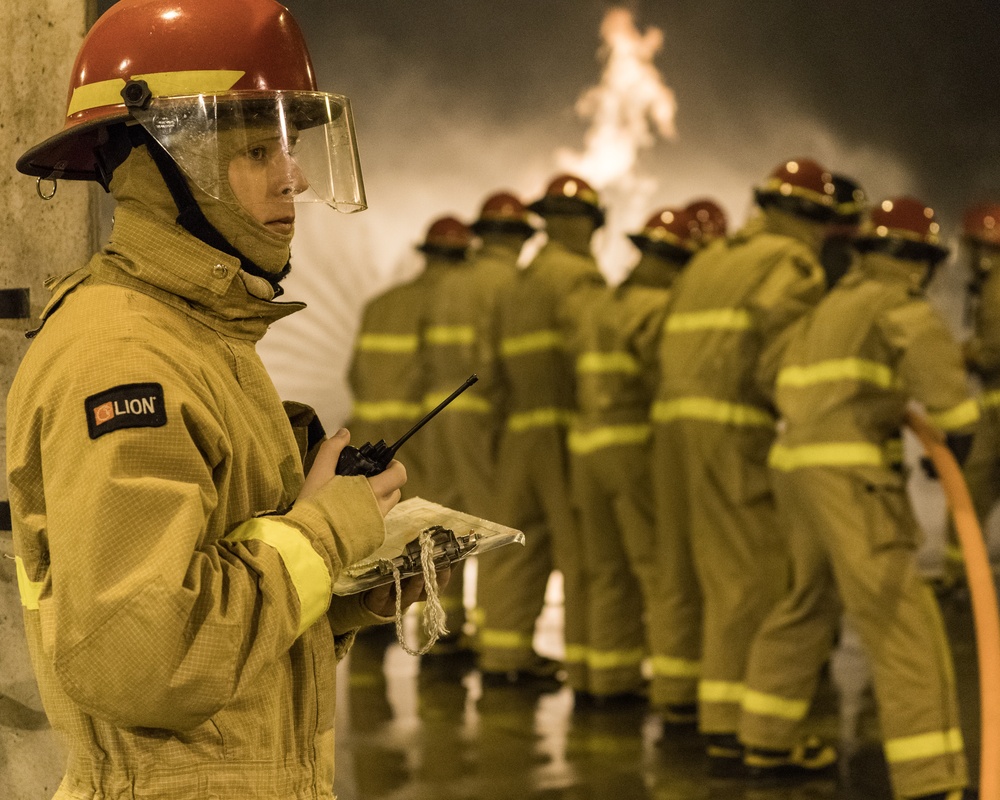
[(187, 70)]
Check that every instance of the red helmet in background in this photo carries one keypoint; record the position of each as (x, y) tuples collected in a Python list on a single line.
[(670, 233), (981, 224), (503, 212), (568, 195), (903, 227), (709, 219), (801, 187), (448, 237), (186, 70)]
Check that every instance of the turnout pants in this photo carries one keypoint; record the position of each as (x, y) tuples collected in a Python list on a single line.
[(715, 508), (611, 488), (533, 497), (854, 534)]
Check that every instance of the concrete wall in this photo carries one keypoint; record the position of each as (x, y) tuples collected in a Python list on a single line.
[(38, 41)]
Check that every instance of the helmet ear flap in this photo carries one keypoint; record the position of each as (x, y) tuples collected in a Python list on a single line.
[(115, 143)]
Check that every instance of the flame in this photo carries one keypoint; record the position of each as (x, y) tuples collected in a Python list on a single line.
[(629, 109)]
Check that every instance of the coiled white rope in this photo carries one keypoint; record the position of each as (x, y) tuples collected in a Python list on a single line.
[(434, 617)]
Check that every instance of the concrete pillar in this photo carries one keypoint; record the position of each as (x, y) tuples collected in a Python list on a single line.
[(39, 40)]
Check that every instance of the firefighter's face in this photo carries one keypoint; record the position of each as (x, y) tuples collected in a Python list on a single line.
[(265, 179)]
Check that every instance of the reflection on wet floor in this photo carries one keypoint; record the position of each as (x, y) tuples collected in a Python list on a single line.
[(417, 729)]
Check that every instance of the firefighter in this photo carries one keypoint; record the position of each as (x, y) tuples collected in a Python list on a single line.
[(870, 347), (614, 344), (458, 342), (838, 247), (174, 562), (981, 234), (710, 221), (387, 374), (719, 550), (535, 375)]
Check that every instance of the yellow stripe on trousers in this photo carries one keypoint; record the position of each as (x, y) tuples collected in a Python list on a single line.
[(709, 409), (772, 705), (923, 745)]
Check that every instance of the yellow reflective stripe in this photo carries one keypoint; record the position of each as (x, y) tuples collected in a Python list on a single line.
[(598, 363), (388, 343), (30, 590), (839, 369), (538, 418), (710, 410), (963, 414), (161, 84), (583, 442), (575, 654), (923, 745), (305, 567), (771, 705), (464, 402), (828, 454), (504, 640), (614, 659), (531, 343), (450, 334), (720, 691), (990, 399), (671, 667), (389, 409), (722, 319)]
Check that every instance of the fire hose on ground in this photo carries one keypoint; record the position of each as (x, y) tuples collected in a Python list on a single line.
[(983, 593)]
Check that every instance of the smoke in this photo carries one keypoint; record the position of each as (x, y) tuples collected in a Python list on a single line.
[(629, 110)]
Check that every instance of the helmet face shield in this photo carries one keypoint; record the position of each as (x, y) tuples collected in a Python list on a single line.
[(299, 145)]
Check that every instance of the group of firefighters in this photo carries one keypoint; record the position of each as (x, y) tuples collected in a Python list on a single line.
[(709, 453)]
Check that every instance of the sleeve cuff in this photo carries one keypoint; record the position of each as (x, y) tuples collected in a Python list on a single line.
[(344, 516)]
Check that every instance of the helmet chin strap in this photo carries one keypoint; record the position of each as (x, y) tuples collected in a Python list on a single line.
[(193, 220)]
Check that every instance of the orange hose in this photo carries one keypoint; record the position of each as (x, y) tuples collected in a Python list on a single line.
[(984, 597)]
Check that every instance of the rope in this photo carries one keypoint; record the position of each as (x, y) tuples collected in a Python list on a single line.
[(434, 617)]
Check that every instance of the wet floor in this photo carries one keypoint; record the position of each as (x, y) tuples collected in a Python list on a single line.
[(417, 729)]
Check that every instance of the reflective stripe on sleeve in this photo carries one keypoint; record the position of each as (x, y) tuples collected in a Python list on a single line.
[(181, 82), (450, 334), (990, 399), (538, 418), (531, 343), (840, 369), (721, 691), (389, 409), (672, 667), (828, 454), (923, 745), (388, 343), (771, 705), (710, 410), (583, 442), (29, 590), (721, 319), (963, 414), (305, 567), (595, 363)]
